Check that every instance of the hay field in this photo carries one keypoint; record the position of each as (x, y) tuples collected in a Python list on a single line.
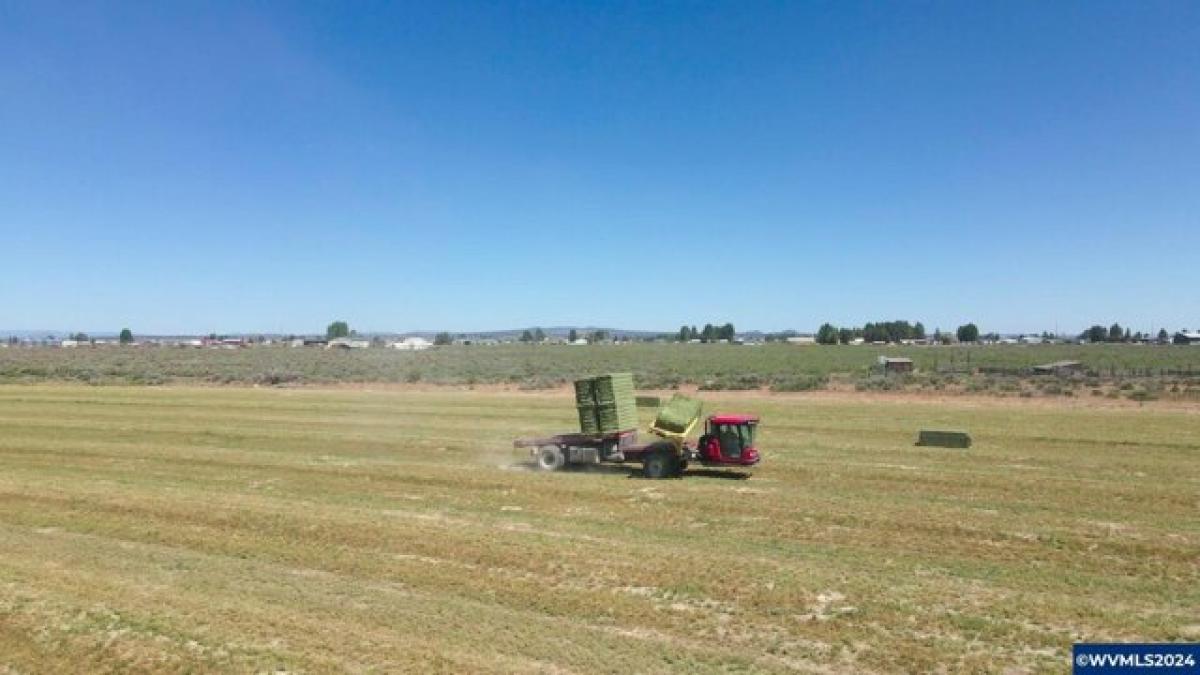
[(653, 365), (229, 529)]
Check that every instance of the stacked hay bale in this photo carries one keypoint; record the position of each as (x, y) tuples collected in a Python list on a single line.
[(585, 403), (606, 404)]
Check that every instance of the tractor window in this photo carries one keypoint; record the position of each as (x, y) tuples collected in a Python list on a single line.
[(748, 434), (731, 440)]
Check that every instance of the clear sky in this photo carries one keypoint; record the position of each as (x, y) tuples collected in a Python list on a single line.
[(248, 166)]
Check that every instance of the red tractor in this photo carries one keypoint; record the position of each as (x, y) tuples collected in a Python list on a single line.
[(728, 441)]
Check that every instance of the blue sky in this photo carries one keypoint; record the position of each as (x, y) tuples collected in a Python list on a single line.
[(230, 166)]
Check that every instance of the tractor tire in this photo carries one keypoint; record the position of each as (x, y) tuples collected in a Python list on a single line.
[(551, 458), (660, 464)]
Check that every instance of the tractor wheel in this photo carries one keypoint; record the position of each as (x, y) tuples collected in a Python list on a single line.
[(551, 458), (660, 464)]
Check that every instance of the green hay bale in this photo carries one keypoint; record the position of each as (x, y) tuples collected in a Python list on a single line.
[(944, 439), (678, 413), (613, 388), (589, 422), (585, 392), (616, 417)]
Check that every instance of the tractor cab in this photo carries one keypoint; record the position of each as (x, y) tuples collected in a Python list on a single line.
[(729, 439)]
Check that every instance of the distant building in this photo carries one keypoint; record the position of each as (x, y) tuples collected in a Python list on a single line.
[(348, 343), (579, 341), (801, 340), (411, 344), (893, 364), (69, 343), (1183, 337)]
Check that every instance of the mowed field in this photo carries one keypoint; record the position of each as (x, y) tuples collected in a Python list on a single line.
[(234, 529)]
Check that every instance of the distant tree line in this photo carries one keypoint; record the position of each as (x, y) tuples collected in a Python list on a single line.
[(883, 331), (1115, 333), (710, 333), (536, 335), (827, 334), (888, 331)]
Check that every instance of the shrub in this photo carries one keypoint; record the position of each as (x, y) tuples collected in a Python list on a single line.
[(733, 383), (275, 378), (800, 383)]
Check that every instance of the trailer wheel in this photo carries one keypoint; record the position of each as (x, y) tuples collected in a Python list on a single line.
[(551, 458), (659, 464)]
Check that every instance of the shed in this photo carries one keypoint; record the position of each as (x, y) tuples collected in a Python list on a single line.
[(895, 364)]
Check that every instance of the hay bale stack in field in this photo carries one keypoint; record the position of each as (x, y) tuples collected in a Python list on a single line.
[(613, 388), (944, 439), (589, 422), (585, 392), (606, 404), (678, 413), (585, 405)]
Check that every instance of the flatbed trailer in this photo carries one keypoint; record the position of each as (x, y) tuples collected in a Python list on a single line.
[(555, 452)]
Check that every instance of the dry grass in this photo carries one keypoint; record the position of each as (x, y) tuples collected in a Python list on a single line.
[(184, 530)]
